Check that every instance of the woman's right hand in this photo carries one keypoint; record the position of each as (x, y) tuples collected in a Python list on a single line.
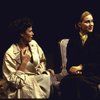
[(76, 69), (25, 55), (25, 58)]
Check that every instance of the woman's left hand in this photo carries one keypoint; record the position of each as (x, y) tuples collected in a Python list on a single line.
[(51, 72), (76, 69)]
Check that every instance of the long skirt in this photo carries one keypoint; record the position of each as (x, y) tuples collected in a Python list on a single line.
[(35, 87), (79, 87)]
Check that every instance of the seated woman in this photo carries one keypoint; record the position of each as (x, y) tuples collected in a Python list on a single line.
[(83, 62), (24, 65)]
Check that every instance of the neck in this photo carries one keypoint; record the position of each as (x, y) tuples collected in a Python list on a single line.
[(83, 33), (22, 44)]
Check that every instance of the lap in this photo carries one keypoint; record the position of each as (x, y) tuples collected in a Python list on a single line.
[(93, 80), (79, 85)]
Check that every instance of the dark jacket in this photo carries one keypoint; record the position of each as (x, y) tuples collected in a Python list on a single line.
[(87, 54)]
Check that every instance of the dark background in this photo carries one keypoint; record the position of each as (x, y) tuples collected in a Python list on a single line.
[(53, 20)]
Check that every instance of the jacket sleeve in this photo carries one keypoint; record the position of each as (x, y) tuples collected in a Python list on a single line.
[(11, 73), (42, 65)]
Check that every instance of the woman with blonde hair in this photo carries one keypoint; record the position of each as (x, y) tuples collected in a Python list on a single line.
[(83, 62)]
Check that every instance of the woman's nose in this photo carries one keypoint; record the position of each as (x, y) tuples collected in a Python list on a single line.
[(32, 33), (91, 23)]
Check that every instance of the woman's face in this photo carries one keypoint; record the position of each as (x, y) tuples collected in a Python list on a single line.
[(87, 24), (27, 35)]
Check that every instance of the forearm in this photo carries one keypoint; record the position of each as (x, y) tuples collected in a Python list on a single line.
[(22, 67)]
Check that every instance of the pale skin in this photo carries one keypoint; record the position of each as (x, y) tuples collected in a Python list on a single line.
[(86, 26)]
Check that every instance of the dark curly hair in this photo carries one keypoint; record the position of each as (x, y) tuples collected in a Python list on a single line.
[(19, 26)]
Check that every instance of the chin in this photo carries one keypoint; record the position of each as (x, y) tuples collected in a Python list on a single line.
[(90, 31), (30, 40)]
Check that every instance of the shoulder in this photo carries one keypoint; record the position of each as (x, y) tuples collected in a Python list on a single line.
[(33, 42), (95, 36), (98, 35), (13, 48)]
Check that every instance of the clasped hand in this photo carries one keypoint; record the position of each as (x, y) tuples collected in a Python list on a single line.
[(25, 55), (25, 58), (76, 69)]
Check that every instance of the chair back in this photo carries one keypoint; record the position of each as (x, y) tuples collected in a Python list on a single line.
[(63, 46)]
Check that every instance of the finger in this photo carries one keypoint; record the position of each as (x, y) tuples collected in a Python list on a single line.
[(78, 72), (51, 71), (24, 51)]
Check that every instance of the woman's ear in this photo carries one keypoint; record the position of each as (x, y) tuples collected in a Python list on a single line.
[(22, 35), (79, 24)]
